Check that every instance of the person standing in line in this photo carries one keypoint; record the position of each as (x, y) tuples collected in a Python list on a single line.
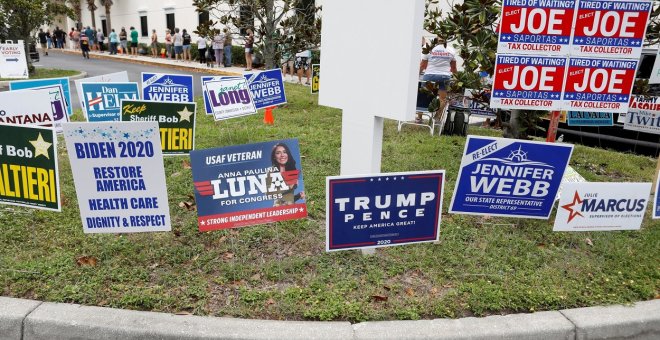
[(100, 38), (43, 41), (90, 37), (114, 40), (438, 67), (49, 40), (123, 40), (249, 42), (178, 45), (134, 42), (201, 49), (227, 47), (303, 61), (84, 46), (218, 47), (186, 45), (73, 43), (58, 37), (168, 43), (154, 44), (75, 37)]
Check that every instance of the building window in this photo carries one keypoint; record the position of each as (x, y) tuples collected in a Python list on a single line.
[(104, 27), (204, 17), (169, 19), (246, 19), (143, 26)]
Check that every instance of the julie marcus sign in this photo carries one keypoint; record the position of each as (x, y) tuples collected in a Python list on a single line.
[(540, 27), (167, 87), (613, 29), (508, 177), (119, 176), (28, 167), (267, 88), (528, 82), (102, 100), (383, 210), (602, 206), (176, 122), (251, 184)]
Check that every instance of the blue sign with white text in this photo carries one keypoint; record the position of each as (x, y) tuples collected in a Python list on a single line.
[(102, 101), (580, 118), (383, 210), (37, 83), (163, 87), (509, 177), (267, 88)]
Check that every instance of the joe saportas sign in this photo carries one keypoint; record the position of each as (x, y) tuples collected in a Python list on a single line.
[(508, 177), (28, 167), (102, 100), (176, 122), (249, 184), (119, 176), (167, 87), (383, 210)]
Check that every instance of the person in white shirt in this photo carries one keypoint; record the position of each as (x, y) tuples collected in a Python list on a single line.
[(303, 61), (438, 66), (201, 48)]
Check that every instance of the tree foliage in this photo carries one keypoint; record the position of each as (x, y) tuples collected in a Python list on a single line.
[(279, 26), (23, 17)]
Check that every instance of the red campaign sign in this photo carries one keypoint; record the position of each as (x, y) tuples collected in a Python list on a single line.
[(606, 28), (538, 27), (599, 85), (528, 82)]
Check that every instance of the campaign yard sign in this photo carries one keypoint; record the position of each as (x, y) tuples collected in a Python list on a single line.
[(267, 88), (528, 82), (316, 78), (26, 107), (250, 184), (164, 87), (119, 176), (611, 29), (42, 83), (102, 100), (117, 77), (176, 122), (509, 178), (28, 167), (656, 199), (643, 114), (228, 97), (580, 118), (381, 210), (537, 27), (57, 105), (597, 85), (13, 63), (594, 206)]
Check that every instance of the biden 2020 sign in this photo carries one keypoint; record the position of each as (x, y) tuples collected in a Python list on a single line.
[(540, 27), (383, 210), (509, 177)]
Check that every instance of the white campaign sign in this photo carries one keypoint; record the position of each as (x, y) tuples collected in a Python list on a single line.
[(591, 206), (229, 97), (643, 115), (26, 107), (117, 77), (13, 63), (119, 176)]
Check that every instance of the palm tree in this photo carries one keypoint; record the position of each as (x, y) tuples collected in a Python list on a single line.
[(77, 9), (91, 6), (107, 4)]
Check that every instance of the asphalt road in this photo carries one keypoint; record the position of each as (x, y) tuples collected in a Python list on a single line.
[(97, 67)]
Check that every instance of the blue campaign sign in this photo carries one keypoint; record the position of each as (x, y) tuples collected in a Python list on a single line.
[(580, 118), (102, 101), (656, 199), (37, 83), (509, 177), (250, 184), (383, 210), (267, 88), (207, 103), (162, 87)]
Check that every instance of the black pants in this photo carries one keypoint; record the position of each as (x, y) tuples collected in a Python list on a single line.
[(202, 55)]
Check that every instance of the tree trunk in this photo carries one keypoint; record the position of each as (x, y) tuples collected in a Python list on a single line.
[(511, 128), (269, 39)]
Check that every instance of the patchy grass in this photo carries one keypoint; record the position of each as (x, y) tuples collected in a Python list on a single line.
[(281, 271), (41, 73)]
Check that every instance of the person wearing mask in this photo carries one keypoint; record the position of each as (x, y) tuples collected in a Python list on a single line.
[(186, 45), (218, 47), (100, 38), (168, 43), (178, 45), (227, 47), (43, 41), (201, 49), (123, 40), (249, 43), (154, 44), (134, 41), (114, 40)]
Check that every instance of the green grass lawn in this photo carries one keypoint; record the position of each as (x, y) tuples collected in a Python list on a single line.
[(481, 266), (41, 73)]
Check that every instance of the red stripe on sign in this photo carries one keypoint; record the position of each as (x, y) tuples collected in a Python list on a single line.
[(252, 217), (95, 101)]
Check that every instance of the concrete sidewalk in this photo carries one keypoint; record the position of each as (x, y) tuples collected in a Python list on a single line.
[(32, 320)]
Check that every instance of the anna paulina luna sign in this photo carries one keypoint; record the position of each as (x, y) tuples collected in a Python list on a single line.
[(509, 177), (383, 210), (250, 184)]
